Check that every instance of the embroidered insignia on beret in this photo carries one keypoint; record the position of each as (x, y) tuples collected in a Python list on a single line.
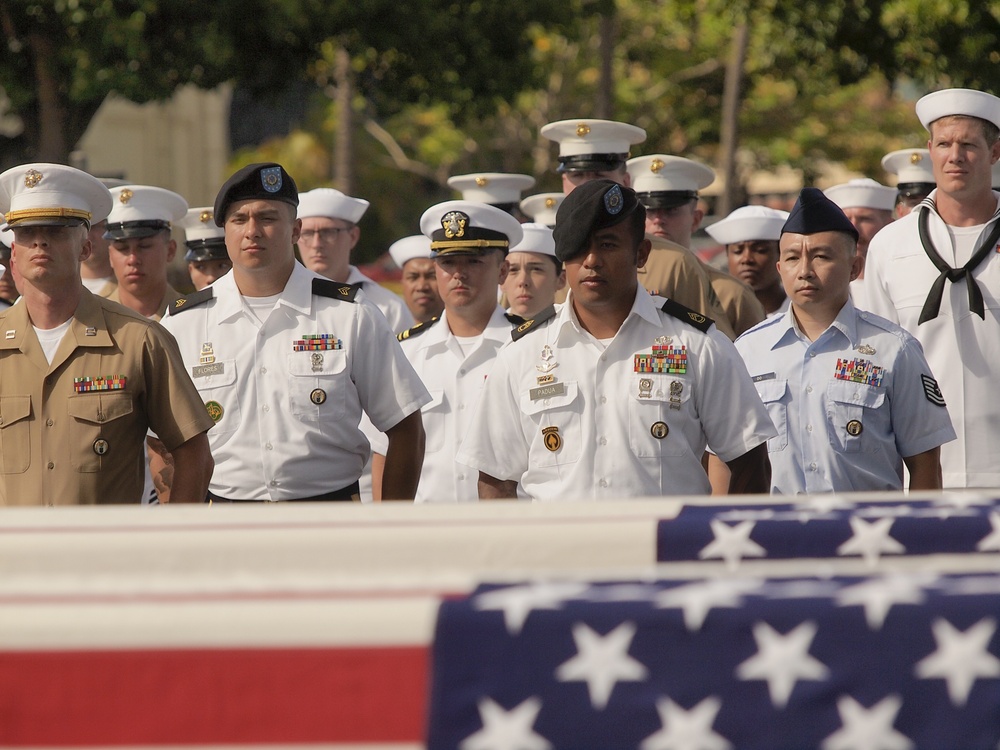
[(614, 201), (270, 179)]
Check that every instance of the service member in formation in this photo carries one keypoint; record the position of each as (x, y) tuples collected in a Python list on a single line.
[(330, 232), (454, 354), (141, 246), (936, 273), (206, 254), (8, 292), (668, 187), (617, 394), (751, 235), (914, 177), (541, 208), (850, 393), (96, 271), (599, 149), (534, 273), (419, 280), (497, 189), (83, 378), (286, 361)]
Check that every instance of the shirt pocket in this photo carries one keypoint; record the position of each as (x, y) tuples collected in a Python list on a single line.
[(774, 395), (98, 428), (434, 413), (558, 420), (317, 383), (15, 433), (658, 410), (852, 415), (221, 395)]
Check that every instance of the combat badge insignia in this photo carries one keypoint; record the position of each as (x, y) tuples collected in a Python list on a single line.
[(548, 360), (454, 224), (614, 201), (854, 428), (101, 446), (659, 430), (317, 362), (551, 438), (270, 179), (932, 390), (318, 396), (215, 410), (866, 349), (31, 178)]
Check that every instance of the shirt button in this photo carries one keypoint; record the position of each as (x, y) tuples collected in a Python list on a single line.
[(268, 446), (461, 372), (461, 407), (48, 422), (809, 428), (809, 389), (1, 420), (812, 466), (461, 477), (100, 416), (266, 407), (603, 483), (604, 399), (603, 441), (263, 370), (51, 465), (604, 358), (274, 482)]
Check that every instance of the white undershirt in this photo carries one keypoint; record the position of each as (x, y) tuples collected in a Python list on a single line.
[(261, 307), (96, 285), (965, 242), (468, 344), (50, 338)]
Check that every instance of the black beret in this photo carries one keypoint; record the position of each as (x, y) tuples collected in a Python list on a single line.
[(813, 212), (199, 250), (593, 205), (268, 181)]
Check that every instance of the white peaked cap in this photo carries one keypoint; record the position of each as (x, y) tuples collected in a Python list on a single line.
[(199, 224), (863, 193), (332, 204), (910, 165), (537, 239), (542, 207), (576, 137), (466, 228), (51, 194), (748, 224), (409, 248), (491, 187)]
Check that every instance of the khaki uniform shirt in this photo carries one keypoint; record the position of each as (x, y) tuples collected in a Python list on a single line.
[(169, 298), (68, 441), (738, 300), (675, 272)]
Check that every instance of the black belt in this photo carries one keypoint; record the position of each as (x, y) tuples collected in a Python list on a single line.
[(348, 493)]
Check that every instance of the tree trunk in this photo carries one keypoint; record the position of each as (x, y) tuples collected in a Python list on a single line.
[(343, 152), (731, 101), (605, 92), (51, 113)]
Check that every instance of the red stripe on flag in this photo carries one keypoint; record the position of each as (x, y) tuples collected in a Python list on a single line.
[(213, 696)]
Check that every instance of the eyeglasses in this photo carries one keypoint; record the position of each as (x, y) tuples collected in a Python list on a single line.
[(325, 235)]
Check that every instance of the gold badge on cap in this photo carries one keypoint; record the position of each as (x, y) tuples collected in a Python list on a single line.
[(916, 158), (101, 446), (215, 410), (205, 216), (32, 177), (454, 224), (551, 438), (318, 396), (854, 428), (550, 202), (659, 430), (125, 195), (482, 182), (656, 165), (582, 130)]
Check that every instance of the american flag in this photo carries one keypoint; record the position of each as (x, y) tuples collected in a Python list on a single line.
[(863, 663)]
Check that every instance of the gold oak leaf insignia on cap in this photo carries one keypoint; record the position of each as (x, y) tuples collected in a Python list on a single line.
[(32, 177), (582, 130), (454, 223), (125, 196)]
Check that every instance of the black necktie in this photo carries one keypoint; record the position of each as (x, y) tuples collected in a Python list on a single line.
[(933, 304)]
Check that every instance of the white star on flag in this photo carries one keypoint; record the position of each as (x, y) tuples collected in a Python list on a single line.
[(867, 728), (507, 730), (517, 602), (991, 542), (686, 730), (960, 658), (697, 599), (731, 543), (602, 662), (870, 540), (782, 660), (825, 502), (878, 596)]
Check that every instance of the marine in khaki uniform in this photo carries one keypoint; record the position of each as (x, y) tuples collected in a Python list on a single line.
[(83, 379), (599, 149), (668, 187), (141, 247)]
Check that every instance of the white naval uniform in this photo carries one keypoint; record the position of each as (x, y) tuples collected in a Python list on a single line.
[(847, 406), (289, 419), (392, 305), (962, 349), (455, 382), (604, 429)]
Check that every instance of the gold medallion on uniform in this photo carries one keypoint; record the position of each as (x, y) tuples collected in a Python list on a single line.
[(854, 428), (318, 396), (215, 410), (551, 438), (101, 446), (659, 430)]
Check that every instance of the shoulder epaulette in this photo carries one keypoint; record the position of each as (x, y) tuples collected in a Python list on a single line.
[(192, 300), (529, 325), (334, 290), (416, 330), (689, 316)]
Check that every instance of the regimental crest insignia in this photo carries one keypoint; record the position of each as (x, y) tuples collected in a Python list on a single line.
[(454, 224), (614, 201), (206, 216), (551, 438), (215, 410), (32, 177), (270, 179), (125, 196)]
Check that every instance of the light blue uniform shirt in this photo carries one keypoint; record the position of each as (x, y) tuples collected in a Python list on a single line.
[(848, 406)]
